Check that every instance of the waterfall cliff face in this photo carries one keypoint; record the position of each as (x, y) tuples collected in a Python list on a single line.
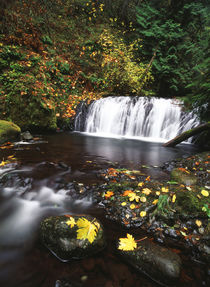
[(154, 118)]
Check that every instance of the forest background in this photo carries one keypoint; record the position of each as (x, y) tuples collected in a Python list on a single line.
[(56, 53)]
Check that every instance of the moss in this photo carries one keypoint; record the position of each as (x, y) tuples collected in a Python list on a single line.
[(188, 203), (182, 177), (33, 116), (8, 131)]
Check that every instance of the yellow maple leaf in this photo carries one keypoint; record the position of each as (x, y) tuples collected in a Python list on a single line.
[(128, 243), (204, 192), (146, 191), (133, 196), (71, 222), (143, 199), (174, 198), (143, 213), (164, 189), (86, 230), (3, 163), (198, 222), (123, 203), (140, 184), (132, 206)]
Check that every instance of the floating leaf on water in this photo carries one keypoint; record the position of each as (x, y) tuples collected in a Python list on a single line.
[(128, 243)]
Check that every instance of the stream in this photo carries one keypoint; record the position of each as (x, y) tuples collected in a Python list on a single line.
[(40, 183)]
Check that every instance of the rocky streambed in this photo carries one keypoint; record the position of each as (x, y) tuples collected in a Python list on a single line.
[(138, 226), (173, 215)]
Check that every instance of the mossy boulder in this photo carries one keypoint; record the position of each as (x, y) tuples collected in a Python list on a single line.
[(182, 176), (32, 115), (8, 131), (159, 263), (72, 237)]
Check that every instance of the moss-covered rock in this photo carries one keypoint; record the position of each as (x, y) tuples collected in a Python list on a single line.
[(62, 236), (183, 176), (159, 263), (8, 131), (32, 116)]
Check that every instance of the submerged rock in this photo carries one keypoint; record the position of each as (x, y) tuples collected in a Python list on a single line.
[(159, 263), (26, 136), (72, 237), (183, 177), (8, 131)]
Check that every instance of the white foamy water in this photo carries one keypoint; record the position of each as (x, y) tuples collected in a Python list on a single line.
[(153, 119), (20, 216)]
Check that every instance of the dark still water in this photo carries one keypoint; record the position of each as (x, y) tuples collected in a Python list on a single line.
[(32, 188)]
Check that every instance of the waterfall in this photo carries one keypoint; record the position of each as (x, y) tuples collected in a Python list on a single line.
[(156, 119)]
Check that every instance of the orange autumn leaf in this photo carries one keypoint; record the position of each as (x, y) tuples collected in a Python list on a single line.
[(109, 194), (184, 170), (127, 192)]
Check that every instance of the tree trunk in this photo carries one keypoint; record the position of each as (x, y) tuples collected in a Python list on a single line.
[(185, 135)]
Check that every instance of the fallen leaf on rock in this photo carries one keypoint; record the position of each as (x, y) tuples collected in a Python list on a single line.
[(127, 192), (109, 194), (143, 199), (164, 189), (143, 213), (86, 230), (155, 201), (198, 222), (132, 206), (204, 192), (174, 198), (132, 196), (146, 191), (127, 244), (71, 222)]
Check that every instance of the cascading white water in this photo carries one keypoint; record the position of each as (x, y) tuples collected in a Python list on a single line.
[(155, 118)]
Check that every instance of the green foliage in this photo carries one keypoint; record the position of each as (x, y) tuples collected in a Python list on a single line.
[(121, 71), (173, 31)]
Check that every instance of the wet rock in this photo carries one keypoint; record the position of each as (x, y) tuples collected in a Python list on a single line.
[(159, 263), (8, 131), (182, 177), (67, 283), (60, 235), (26, 136)]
